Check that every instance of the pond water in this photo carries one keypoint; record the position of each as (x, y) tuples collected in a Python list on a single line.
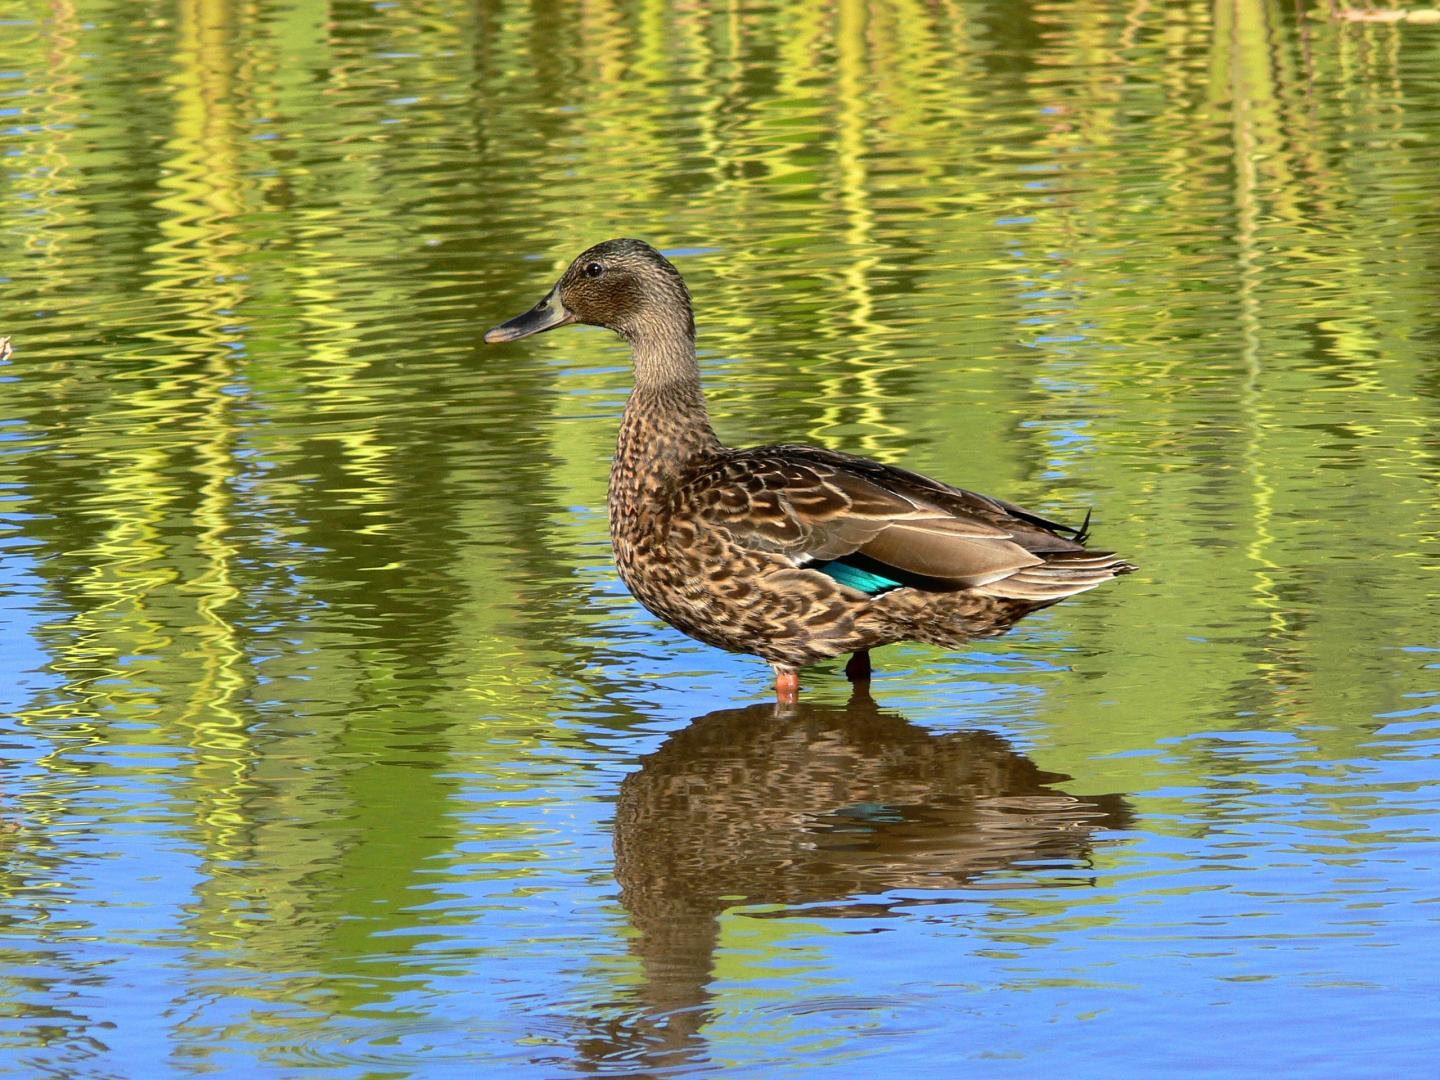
[(331, 741)]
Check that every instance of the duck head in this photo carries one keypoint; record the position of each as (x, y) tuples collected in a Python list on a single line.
[(625, 285)]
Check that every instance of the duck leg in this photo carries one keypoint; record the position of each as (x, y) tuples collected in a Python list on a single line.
[(858, 669), (787, 685)]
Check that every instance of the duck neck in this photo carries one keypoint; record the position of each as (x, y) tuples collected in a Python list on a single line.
[(666, 423)]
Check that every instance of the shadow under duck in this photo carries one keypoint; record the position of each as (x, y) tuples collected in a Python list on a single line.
[(792, 553)]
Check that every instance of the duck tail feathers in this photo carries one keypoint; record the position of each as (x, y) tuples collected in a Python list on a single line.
[(1062, 574)]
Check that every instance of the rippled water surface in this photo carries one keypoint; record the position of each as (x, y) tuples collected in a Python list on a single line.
[(331, 742)]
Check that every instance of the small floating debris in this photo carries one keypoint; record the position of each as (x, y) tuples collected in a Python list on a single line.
[(5, 349), (1388, 15)]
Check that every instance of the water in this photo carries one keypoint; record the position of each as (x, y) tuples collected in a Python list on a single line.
[(332, 743)]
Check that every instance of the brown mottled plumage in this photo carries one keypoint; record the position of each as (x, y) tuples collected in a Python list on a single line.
[(755, 550)]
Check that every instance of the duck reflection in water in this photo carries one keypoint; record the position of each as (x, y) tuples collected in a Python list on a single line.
[(832, 803)]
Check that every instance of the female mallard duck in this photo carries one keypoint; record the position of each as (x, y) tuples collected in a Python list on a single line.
[(793, 553)]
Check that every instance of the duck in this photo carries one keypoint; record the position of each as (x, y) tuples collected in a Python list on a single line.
[(796, 554)]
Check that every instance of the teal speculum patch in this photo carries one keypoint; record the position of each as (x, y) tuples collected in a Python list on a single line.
[(869, 582)]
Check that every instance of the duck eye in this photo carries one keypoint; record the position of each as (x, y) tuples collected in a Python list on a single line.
[(593, 269)]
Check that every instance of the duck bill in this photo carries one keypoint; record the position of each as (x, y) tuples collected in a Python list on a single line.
[(546, 315)]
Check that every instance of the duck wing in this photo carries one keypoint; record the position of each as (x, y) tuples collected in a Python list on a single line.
[(817, 507), (1029, 529)]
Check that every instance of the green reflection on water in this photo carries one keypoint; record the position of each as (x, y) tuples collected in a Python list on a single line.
[(312, 577)]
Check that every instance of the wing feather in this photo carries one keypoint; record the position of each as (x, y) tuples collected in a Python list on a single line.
[(819, 505), (948, 550)]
